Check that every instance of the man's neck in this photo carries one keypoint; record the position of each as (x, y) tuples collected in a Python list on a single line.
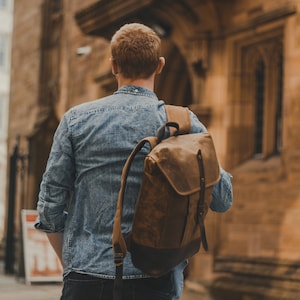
[(145, 83)]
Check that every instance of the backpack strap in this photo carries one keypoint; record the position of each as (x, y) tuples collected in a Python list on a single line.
[(181, 116), (175, 114), (118, 241)]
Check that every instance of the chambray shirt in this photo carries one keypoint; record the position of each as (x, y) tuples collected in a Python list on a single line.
[(79, 189)]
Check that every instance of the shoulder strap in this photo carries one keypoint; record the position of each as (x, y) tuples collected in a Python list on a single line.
[(118, 241), (179, 115)]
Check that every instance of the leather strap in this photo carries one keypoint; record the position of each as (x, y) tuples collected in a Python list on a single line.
[(180, 115), (118, 241), (201, 211)]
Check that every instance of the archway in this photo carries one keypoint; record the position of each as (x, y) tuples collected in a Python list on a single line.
[(173, 85)]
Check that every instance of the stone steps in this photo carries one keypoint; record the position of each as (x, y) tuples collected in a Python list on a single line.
[(256, 279)]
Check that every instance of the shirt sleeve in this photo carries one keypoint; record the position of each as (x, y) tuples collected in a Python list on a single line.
[(57, 182), (222, 193)]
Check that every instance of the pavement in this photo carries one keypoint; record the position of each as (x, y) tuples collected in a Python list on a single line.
[(13, 288)]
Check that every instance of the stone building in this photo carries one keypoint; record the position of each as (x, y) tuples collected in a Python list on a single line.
[(236, 64), (6, 16)]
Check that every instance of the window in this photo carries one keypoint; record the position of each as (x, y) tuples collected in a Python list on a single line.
[(262, 77), (259, 110), (257, 96), (278, 128)]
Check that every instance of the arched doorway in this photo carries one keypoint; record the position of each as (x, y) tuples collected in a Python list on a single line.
[(173, 85)]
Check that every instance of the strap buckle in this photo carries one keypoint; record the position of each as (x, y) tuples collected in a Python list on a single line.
[(119, 258)]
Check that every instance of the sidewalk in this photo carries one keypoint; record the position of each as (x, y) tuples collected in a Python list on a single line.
[(12, 288)]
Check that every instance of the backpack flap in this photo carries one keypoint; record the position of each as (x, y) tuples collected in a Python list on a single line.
[(177, 159)]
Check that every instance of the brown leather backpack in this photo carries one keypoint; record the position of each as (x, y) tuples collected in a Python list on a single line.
[(179, 175)]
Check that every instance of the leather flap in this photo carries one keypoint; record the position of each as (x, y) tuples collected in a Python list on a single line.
[(181, 167)]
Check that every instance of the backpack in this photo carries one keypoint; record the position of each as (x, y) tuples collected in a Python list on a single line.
[(176, 190)]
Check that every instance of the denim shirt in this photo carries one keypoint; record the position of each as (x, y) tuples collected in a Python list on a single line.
[(79, 189)]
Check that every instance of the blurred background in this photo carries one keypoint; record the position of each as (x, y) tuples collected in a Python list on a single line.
[(235, 63)]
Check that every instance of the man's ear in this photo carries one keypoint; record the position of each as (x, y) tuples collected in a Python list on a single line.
[(114, 67), (161, 64)]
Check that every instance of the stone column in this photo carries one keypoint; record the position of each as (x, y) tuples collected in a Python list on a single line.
[(291, 92)]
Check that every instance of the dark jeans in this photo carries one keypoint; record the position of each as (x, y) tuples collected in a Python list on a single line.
[(85, 287)]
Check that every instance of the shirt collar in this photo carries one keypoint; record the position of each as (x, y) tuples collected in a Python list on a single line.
[(135, 90)]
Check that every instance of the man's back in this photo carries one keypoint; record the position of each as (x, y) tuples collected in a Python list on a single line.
[(101, 134)]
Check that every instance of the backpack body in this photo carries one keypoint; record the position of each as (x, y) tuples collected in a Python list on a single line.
[(176, 190), (169, 210)]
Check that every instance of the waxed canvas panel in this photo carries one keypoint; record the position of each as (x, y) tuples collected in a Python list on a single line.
[(159, 223)]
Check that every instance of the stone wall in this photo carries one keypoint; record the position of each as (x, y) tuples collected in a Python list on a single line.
[(25, 69)]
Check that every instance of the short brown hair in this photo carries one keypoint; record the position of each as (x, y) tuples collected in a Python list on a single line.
[(135, 48)]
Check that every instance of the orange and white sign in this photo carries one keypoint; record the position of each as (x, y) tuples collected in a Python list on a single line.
[(41, 262)]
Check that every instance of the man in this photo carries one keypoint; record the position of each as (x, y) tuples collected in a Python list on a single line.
[(79, 190)]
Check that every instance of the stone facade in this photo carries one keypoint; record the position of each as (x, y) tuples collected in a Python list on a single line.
[(6, 27), (235, 63)]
